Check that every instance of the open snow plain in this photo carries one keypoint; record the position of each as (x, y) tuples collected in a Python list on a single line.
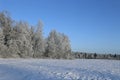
[(49, 69)]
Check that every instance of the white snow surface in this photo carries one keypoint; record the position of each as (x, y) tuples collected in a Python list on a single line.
[(53, 69)]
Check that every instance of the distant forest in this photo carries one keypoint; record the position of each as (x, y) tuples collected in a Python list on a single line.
[(83, 55), (19, 39)]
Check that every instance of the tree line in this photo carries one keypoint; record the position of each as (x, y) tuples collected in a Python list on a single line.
[(83, 55), (20, 39)]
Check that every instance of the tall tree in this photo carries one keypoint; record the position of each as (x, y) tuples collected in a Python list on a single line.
[(24, 39), (51, 45), (39, 45), (58, 45), (2, 46), (6, 25), (66, 47)]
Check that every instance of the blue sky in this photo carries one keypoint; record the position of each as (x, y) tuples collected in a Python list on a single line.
[(92, 25)]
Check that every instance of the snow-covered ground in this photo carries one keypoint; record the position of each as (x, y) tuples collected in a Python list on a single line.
[(48, 69)]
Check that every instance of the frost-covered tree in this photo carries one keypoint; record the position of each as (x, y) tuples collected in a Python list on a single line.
[(6, 25), (58, 45), (1, 37), (23, 38), (66, 47), (2, 46), (19, 39), (51, 45), (39, 45)]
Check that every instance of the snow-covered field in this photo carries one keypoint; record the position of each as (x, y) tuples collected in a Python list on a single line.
[(48, 69)]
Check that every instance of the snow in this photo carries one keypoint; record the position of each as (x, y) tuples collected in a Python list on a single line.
[(49, 69)]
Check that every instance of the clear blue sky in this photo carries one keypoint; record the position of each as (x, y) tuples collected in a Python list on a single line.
[(92, 25)]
